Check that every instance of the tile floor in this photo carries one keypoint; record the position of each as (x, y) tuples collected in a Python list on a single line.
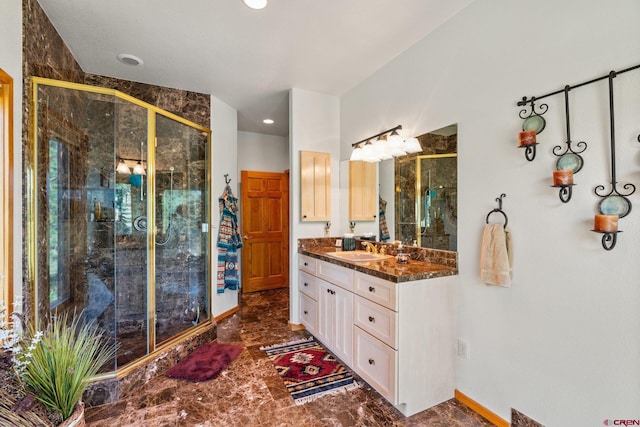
[(250, 393)]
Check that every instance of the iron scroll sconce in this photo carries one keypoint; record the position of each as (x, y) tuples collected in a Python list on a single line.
[(569, 159), (499, 210), (613, 202), (533, 121)]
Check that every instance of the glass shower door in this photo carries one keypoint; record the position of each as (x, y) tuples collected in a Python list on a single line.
[(181, 240)]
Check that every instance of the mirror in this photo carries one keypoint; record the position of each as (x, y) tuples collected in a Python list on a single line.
[(420, 191)]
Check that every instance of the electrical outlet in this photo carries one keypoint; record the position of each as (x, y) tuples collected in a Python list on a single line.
[(463, 349)]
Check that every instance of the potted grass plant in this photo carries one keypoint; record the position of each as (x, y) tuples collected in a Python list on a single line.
[(57, 367)]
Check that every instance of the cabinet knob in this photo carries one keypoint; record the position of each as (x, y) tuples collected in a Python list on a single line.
[(374, 216), (306, 264), (304, 216), (372, 289), (372, 362), (372, 319), (306, 312), (306, 284)]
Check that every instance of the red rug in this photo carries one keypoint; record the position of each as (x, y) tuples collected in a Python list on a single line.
[(205, 363), (309, 371)]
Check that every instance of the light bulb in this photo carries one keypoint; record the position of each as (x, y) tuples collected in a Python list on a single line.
[(256, 4), (123, 168), (138, 169)]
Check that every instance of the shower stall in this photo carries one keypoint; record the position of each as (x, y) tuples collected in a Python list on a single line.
[(118, 215)]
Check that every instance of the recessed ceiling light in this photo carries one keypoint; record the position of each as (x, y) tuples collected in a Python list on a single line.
[(256, 4), (129, 59), (268, 121)]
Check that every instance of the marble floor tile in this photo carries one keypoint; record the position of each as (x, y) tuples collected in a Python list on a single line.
[(249, 392)]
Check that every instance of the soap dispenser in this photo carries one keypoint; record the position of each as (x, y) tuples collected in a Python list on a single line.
[(402, 257)]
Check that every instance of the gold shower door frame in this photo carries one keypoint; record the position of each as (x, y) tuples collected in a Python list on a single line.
[(418, 188), (32, 212), (6, 193)]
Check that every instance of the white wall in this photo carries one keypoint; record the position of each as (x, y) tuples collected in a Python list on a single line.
[(11, 63), (562, 345), (314, 125), (264, 153), (224, 126)]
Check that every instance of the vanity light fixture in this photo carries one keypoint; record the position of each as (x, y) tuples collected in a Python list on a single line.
[(412, 145), (384, 147), (123, 168), (256, 4)]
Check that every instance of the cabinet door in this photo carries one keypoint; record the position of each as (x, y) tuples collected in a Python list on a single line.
[(362, 191), (326, 313), (335, 320), (343, 342), (315, 186)]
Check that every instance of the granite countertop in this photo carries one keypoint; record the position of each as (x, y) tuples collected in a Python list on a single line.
[(387, 269)]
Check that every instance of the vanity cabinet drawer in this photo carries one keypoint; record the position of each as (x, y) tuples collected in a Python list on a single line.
[(309, 313), (307, 284), (379, 321), (307, 264), (335, 274), (375, 362), (377, 290)]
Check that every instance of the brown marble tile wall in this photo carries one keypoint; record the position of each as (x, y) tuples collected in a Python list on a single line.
[(518, 419)]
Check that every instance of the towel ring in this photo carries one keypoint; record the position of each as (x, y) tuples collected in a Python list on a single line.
[(499, 210)]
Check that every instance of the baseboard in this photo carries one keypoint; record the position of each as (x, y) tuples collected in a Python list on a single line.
[(227, 313), (481, 410), (296, 327)]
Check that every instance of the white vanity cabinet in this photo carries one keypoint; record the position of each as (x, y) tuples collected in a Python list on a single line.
[(404, 339), (326, 307), (399, 337)]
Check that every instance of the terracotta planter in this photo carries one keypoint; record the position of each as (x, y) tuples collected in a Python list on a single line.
[(77, 417)]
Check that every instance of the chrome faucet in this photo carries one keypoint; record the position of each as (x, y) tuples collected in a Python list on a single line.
[(370, 247)]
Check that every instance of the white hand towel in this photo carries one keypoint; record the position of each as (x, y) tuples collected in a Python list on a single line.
[(496, 256)]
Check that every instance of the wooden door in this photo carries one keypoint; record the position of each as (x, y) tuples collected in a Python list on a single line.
[(265, 230)]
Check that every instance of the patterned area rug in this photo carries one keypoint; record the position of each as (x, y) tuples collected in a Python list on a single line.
[(309, 371)]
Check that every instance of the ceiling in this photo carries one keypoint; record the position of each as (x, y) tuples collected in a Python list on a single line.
[(247, 58)]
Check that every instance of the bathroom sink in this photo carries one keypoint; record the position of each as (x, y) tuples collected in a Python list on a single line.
[(358, 256)]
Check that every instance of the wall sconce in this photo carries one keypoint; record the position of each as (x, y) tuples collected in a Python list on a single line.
[(384, 147)]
